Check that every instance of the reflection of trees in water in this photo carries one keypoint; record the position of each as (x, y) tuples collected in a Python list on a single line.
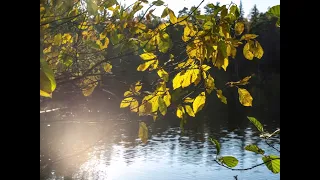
[(166, 143)]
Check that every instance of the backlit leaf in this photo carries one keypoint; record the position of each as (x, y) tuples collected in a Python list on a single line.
[(215, 142), (272, 162), (248, 37), (162, 106), (108, 67), (134, 105), (199, 102), (167, 98), (258, 51), (148, 56), (256, 123), (189, 110), (221, 97), (248, 51), (188, 100), (126, 102), (254, 148), (230, 161), (173, 18), (145, 66), (209, 84), (244, 97), (239, 27), (180, 112), (163, 74)]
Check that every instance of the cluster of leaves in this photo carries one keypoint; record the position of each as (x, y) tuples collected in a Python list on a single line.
[(271, 161), (209, 43)]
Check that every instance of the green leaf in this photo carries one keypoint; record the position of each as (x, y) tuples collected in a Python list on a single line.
[(254, 148), (239, 27), (230, 161), (164, 43), (275, 11), (165, 13), (256, 123), (218, 147), (143, 132), (158, 3), (272, 162), (244, 97), (162, 106), (199, 102)]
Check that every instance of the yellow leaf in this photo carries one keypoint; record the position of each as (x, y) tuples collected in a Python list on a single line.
[(244, 97), (162, 106), (141, 26), (47, 50), (145, 66), (189, 110), (134, 105), (167, 99), (154, 117), (126, 102), (248, 37), (205, 67), (177, 80), (258, 51), (209, 84), (108, 67), (89, 85), (225, 63), (138, 86), (188, 100), (153, 100), (180, 112), (221, 97), (173, 18), (145, 108), (154, 65), (186, 79), (143, 132), (127, 94), (195, 75), (83, 25), (247, 51), (199, 102), (66, 38), (239, 27), (148, 56), (45, 94), (163, 74)]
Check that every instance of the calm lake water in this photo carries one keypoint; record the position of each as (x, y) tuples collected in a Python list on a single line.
[(98, 145)]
